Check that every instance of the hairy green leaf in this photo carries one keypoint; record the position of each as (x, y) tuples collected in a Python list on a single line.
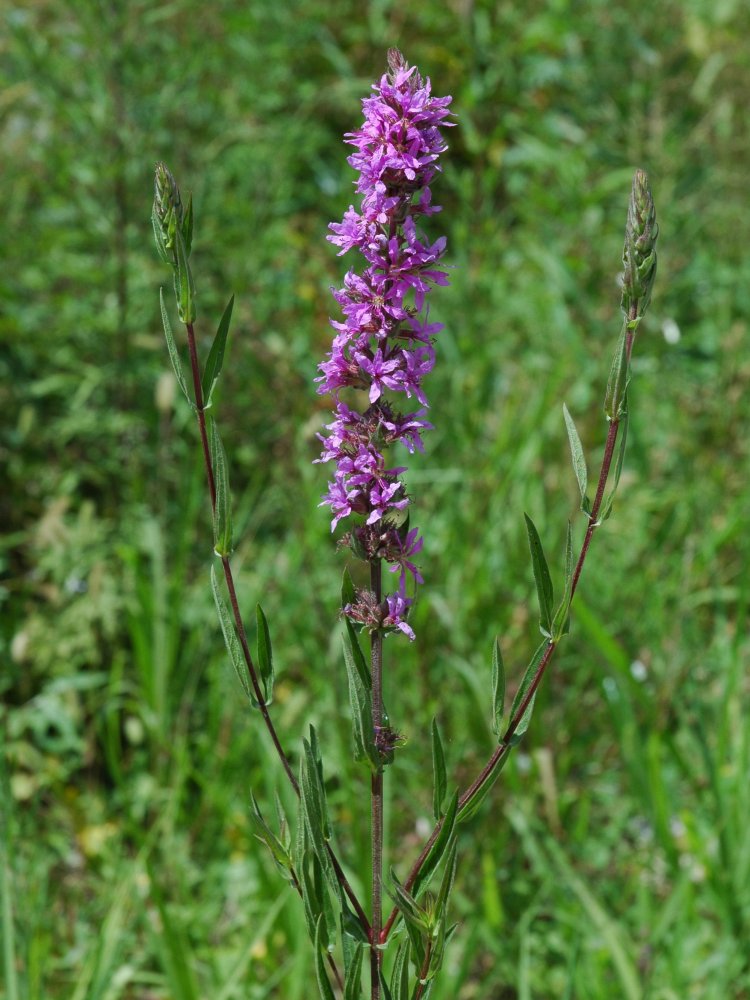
[(265, 834), (314, 808), (526, 682), (215, 359), (579, 460), (174, 354), (313, 795), (326, 991), (223, 508), (449, 877), (541, 577), (561, 621), (361, 706), (400, 973), (407, 905), (351, 925), (615, 402), (348, 593), (438, 849), (353, 984), (359, 657), (610, 499), (230, 639)]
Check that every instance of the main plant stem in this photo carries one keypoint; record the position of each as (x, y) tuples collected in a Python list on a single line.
[(504, 746), (240, 625), (376, 664)]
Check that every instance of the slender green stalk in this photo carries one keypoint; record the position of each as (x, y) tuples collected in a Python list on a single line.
[(376, 661)]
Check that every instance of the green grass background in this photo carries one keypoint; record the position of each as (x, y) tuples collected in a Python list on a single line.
[(613, 859)]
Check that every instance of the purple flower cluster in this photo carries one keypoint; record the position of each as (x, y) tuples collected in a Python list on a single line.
[(383, 345)]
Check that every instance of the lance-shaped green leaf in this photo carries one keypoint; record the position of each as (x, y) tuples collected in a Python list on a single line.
[(541, 577), (353, 983), (400, 973), (471, 807), (439, 775), (315, 898), (415, 917), (351, 925), (215, 359), (326, 991), (265, 835), (361, 706), (348, 593), (315, 808), (615, 402), (438, 849), (353, 940), (439, 945), (265, 655), (183, 281), (446, 885), (359, 657), (223, 507), (230, 639), (610, 499), (579, 460), (313, 795), (187, 226), (498, 687), (174, 354), (561, 621), (526, 683)]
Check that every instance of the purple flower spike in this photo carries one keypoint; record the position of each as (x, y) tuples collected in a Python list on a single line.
[(384, 346)]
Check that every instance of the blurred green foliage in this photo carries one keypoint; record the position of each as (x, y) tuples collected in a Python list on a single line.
[(613, 859)]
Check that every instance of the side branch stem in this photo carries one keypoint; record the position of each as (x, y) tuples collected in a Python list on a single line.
[(240, 626), (504, 746)]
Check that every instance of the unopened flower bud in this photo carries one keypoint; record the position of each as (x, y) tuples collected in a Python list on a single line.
[(167, 214), (639, 252)]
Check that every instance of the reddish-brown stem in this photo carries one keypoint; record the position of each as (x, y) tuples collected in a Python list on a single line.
[(423, 971), (240, 626), (376, 789), (504, 746)]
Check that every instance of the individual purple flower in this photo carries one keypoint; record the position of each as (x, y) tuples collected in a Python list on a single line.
[(388, 615), (383, 345), (398, 607), (405, 548)]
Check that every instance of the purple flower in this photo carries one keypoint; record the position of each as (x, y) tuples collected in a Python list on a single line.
[(383, 345), (398, 607)]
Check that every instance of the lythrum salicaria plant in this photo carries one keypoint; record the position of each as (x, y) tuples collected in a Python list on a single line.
[(382, 351)]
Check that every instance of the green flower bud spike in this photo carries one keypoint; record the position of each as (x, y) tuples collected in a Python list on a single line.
[(639, 252), (637, 280), (173, 232), (167, 214)]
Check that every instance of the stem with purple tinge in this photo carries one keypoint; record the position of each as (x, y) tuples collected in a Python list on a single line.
[(504, 746), (240, 626), (423, 971)]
